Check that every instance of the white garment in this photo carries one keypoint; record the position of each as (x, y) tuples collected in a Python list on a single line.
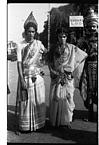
[(32, 112)]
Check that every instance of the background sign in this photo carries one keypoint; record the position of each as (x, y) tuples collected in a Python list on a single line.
[(76, 21)]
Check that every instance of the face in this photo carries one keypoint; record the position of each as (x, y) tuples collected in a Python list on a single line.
[(62, 38), (30, 33), (93, 27)]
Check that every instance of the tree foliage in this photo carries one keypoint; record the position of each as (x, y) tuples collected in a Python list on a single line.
[(60, 17), (84, 7)]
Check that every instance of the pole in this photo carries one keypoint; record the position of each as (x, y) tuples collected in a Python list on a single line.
[(49, 28)]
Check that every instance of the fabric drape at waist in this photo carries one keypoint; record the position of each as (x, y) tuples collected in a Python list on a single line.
[(67, 75), (31, 72)]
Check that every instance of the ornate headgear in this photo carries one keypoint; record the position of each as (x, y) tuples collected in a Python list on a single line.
[(30, 20), (92, 17)]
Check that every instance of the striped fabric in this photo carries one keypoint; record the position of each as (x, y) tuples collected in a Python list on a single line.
[(32, 111), (89, 83), (83, 88)]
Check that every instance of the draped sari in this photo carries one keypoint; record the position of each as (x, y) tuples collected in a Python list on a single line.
[(32, 109), (61, 95)]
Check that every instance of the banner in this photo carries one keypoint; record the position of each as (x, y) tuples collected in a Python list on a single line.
[(75, 21)]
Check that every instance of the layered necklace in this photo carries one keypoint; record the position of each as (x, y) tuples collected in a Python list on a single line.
[(64, 52)]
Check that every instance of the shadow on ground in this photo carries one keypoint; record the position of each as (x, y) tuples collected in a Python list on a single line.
[(79, 136), (80, 114), (11, 118)]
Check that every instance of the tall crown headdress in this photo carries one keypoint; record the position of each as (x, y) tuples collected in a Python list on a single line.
[(30, 19)]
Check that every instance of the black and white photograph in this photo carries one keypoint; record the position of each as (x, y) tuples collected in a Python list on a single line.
[(52, 73)]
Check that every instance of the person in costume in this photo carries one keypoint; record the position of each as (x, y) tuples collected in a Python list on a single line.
[(31, 88), (64, 60), (89, 78)]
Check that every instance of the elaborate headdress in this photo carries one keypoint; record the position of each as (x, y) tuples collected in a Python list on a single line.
[(92, 17), (30, 20)]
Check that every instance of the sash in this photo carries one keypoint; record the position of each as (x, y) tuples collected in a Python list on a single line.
[(31, 54)]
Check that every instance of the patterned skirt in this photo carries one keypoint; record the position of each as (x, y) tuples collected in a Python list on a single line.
[(92, 81)]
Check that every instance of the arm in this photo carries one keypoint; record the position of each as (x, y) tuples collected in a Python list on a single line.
[(19, 67), (44, 53), (52, 70), (53, 73)]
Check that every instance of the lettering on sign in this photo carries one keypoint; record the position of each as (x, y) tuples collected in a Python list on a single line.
[(76, 21)]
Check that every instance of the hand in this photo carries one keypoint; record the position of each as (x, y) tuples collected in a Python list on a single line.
[(42, 73), (23, 83), (41, 51), (33, 79)]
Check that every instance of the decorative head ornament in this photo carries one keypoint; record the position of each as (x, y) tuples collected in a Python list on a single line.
[(91, 18), (30, 20)]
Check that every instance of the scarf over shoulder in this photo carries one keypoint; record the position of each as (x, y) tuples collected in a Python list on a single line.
[(75, 58), (72, 63)]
